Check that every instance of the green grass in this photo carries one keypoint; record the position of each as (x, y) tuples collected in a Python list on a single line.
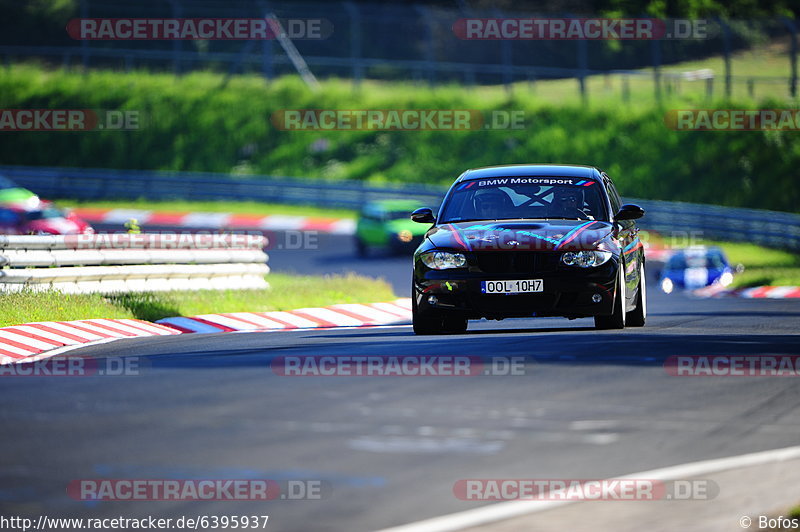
[(201, 122), (234, 207), (286, 292)]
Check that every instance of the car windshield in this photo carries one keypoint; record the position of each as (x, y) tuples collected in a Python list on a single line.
[(682, 261), (511, 198), (7, 183), (44, 214)]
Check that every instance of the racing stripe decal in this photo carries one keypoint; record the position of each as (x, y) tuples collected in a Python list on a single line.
[(633, 246), (459, 239), (569, 237)]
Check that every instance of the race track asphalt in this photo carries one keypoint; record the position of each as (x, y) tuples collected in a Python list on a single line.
[(388, 450)]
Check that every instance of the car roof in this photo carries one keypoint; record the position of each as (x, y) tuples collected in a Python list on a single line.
[(531, 170), (699, 251)]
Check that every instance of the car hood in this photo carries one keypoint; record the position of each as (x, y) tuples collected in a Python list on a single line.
[(55, 226), (545, 235)]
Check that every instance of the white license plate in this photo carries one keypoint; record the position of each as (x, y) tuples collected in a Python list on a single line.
[(523, 286)]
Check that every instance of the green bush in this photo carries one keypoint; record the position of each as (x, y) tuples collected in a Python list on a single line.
[(201, 122)]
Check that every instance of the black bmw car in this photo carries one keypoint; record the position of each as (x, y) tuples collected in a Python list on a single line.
[(529, 240)]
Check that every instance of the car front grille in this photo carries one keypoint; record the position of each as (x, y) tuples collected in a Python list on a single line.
[(502, 261)]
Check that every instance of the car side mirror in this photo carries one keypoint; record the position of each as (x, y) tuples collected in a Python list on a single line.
[(423, 216), (629, 211)]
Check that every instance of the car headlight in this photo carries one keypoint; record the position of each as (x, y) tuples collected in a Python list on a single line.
[(443, 260), (585, 259), (667, 286)]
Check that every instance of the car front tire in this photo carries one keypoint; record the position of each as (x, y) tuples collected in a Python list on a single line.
[(361, 248), (638, 316), (617, 319)]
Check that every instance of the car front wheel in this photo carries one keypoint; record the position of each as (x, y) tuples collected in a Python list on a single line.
[(638, 316), (361, 248), (617, 319)]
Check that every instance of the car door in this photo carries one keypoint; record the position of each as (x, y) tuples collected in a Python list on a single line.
[(10, 222), (627, 234), (372, 229)]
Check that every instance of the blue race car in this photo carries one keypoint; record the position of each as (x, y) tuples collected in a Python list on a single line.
[(694, 268)]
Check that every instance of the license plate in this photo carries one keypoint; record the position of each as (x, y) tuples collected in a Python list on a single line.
[(523, 286)]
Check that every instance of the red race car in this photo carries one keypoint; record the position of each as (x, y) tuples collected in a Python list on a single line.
[(40, 218)]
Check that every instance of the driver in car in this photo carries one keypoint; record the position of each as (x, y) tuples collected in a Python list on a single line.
[(569, 203), (491, 205)]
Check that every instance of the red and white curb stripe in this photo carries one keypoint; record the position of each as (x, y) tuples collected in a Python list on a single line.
[(33, 341), (216, 220), (657, 253), (343, 315), (758, 292)]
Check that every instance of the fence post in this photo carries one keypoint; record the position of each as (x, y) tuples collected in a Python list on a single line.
[(355, 42), (85, 42), (506, 56), (267, 51), (176, 43), (655, 49), (626, 89), (789, 23), (583, 63), (726, 49), (430, 57)]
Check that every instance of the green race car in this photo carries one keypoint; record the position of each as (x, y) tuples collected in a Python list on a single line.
[(10, 192), (387, 224)]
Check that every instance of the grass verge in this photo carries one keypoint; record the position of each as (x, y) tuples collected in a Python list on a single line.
[(210, 122), (286, 292), (233, 207)]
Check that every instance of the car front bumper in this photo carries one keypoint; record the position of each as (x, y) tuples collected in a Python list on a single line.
[(567, 292)]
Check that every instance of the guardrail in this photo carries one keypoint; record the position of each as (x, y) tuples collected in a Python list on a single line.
[(769, 228), (132, 262)]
